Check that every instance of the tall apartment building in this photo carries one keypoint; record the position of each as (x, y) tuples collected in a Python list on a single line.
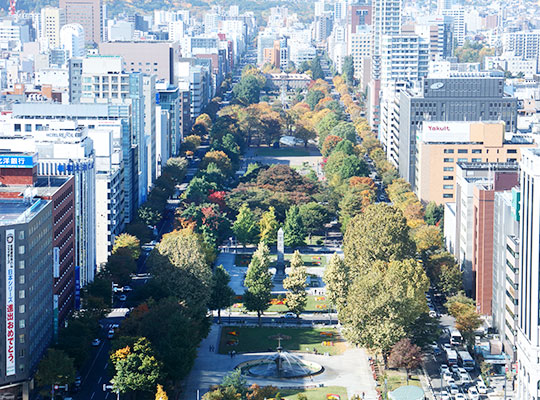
[(437, 30), (87, 13), (524, 44), (52, 20), (462, 97), (26, 232), (404, 57), (528, 335)]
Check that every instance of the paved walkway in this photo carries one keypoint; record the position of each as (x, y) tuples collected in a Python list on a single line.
[(350, 370)]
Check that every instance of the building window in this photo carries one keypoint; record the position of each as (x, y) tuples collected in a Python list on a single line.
[(21, 264), (448, 169), (17, 127), (448, 187), (476, 160), (22, 324), (21, 294), (21, 249), (22, 309), (21, 235), (462, 151), (27, 128), (476, 151), (448, 196), (448, 178), (21, 279), (448, 160), (448, 151), (21, 339), (511, 151)]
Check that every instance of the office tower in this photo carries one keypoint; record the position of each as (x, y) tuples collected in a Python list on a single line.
[(462, 97), (87, 13), (458, 23), (72, 40), (22, 178), (149, 87), (52, 20), (26, 233), (437, 30), (528, 335)]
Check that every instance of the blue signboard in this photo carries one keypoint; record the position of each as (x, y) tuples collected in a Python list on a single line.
[(17, 161), (77, 287)]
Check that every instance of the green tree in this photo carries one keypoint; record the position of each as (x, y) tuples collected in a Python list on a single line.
[(198, 189), (130, 242), (293, 229), (348, 70), (406, 355), (316, 69), (137, 369), (245, 227), (314, 216), (313, 97), (248, 90), (325, 126), (148, 215), (177, 168), (336, 278), (444, 273), (222, 295), (120, 265), (463, 310), (345, 130), (268, 227), (258, 282), (379, 233), (236, 380), (179, 266), (228, 393), (56, 368), (383, 304), (296, 284), (434, 213), (330, 143)]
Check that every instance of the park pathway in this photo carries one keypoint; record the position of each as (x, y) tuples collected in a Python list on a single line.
[(350, 370)]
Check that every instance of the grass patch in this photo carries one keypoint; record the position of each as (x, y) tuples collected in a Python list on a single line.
[(314, 304), (282, 152), (315, 394), (397, 378), (310, 260), (259, 339)]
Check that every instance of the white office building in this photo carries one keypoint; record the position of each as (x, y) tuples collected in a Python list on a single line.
[(528, 334), (458, 23), (72, 40)]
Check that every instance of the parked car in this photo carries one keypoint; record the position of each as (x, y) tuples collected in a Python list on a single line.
[(127, 288), (450, 381), (473, 393), (444, 367), (447, 375), (289, 315), (96, 342), (465, 378), (445, 395), (459, 396)]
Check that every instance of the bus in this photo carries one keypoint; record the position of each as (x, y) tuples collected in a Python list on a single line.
[(451, 357), (465, 360), (455, 338)]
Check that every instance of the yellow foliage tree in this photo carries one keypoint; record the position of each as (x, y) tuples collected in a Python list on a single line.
[(161, 394)]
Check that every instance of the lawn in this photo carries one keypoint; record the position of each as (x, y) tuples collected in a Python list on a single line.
[(314, 304), (314, 394), (282, 152), (259, 339), (397, 379), (310, 260)]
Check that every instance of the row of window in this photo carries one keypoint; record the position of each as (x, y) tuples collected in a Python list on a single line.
[(476, 151)]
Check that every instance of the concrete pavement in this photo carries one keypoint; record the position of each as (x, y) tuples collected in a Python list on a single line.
[(350, 370)]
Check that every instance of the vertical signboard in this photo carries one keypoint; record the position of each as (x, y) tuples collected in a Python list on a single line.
[(55, 317), (56, 262), (77, 287), (10, 302)]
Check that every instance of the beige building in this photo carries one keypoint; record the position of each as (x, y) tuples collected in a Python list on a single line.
[(149, 57), (87, 13), (441, 145), (52, 19)]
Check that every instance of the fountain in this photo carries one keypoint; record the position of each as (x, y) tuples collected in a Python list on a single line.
[(281, 365)]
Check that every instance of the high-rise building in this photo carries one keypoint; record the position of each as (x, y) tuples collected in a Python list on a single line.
[(404, 57), (72, 40), (524, 44), (52, 20), (528, 334), (458, 23), (87, 13), (26, 232)]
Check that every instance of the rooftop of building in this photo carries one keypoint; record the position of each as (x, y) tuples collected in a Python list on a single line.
[(19, 211), (44, 186)]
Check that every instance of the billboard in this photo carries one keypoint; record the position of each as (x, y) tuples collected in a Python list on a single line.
[(17, 161), (10, 302), (56, 262), (441, 131)]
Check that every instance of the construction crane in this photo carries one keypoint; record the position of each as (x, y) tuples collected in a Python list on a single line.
[(12, 4)]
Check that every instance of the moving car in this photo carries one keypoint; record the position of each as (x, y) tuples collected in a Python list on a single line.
[(96, 342), (481, 386), (473, 393), (289, 315), (453, 389), (110, 334), (445, 395)]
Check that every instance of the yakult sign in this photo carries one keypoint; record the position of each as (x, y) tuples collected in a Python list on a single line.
[(10, 302), (445, 132)]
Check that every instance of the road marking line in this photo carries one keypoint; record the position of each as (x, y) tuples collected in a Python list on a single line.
[(93, 394), (106, 365), (99, 380)]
